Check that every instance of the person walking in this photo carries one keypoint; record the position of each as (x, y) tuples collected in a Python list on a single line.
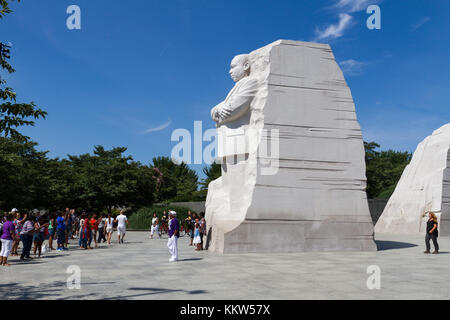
[(122, 223), (174, 233), (26, 235), (80, 229), (7, 238), (192, 228), (68, 227), (51, 231), (155, 226), (202, 228), (94, 229), (432, 233), (18, 224), (109, 224), (197, 241), (187, 222), (61, 232), (38, 236), (85, 233), (101, 229)]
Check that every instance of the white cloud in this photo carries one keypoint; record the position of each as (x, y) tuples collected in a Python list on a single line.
[(420, 23), (158, 128), (354, 5), (351, 67), (334, 30)]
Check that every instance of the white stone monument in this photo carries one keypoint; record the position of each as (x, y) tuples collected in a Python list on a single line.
[(292, 156), (424, 187)]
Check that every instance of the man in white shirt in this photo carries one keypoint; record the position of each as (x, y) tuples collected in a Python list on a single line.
[(122, 223), (155, 226)]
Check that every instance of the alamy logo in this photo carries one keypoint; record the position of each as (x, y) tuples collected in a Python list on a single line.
[(374, 280), (374, 21), (73, 22), (234, 146), (74, 280)]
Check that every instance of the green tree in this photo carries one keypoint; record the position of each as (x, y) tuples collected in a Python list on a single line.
[(23, 175), (4, 8), (383, 170), (109, 179), (178, 181), (12, 114), (212, 172)]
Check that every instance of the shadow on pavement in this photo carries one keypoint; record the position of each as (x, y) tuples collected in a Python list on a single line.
[(390, 245), (151, 291), (15, 291), (190, 259)]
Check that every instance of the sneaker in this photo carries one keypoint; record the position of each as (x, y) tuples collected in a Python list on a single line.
[(435, 252), (172, 260), (426, 252)]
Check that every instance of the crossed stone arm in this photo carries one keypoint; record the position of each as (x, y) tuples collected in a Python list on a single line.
[(237, 105)]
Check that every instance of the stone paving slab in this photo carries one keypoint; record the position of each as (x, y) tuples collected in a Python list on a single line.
[(140, 269)]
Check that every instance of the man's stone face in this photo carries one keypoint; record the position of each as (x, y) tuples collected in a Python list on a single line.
[(239, 68)]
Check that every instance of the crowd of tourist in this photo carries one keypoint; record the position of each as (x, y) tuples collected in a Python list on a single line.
[(42, 234), (38, 235)]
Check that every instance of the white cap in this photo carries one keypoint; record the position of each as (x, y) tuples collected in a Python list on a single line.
[(172, 213), (14, 210)]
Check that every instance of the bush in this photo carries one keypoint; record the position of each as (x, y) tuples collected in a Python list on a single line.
[(142, 219)]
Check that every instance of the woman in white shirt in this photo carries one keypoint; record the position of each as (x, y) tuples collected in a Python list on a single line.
[(109, 223)]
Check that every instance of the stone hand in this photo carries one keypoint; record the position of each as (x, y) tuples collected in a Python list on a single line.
[(224, 113), (215, 113)]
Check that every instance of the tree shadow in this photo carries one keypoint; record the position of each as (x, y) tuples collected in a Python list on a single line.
[(152, 291), (392, 245), (16, 291)]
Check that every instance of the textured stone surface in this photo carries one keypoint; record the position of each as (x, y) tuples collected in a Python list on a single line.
[(423, 187), (309, 197)]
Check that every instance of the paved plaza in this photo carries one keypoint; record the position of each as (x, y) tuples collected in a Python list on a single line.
[(139, 269)]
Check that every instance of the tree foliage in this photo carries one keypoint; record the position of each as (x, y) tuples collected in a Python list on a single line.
[(4, 7), (383, 169), (13, 115), (100, 181), (178, 181)]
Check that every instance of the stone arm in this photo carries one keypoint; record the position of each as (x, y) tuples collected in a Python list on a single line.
[(237, 104)]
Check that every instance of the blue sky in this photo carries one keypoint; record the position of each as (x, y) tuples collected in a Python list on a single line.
[(139, 69)]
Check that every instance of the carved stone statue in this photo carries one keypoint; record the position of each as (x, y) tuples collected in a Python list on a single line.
[(292, 157), (237, 103), (424, 187)]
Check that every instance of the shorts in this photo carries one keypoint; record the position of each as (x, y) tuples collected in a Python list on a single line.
[(121, 230), (38, 236), (51, 232), (109, 230)]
